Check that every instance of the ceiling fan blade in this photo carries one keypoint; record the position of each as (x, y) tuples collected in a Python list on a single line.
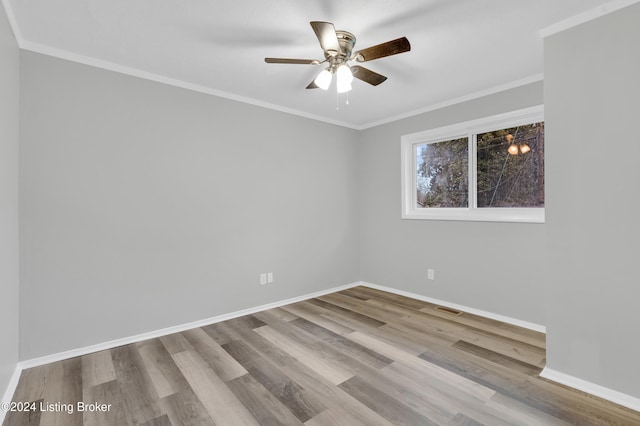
[(291, 61), (367, 75), (389, 48), (326, 33), (313, 85)]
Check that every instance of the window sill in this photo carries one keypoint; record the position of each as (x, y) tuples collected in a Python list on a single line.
[(517, 215)]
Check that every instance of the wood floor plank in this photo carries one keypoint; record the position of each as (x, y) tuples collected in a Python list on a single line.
[(355, 294), (534, 393), (105, 393), (185, 409), (274, 354), (338, 416), (262, 404), (249, 321), (393, 336), (346, 313), (361, 356), (352, 304), (347, 355), (286, 329), (220, 332), (316, 361), (313, 314), (97, 368), (515, 409), (24, 418), (221, 404), (384, 296), (138, 394), (498, 358), (217, 358), (390, 408), (65, 389), (441, 328), (341, 343), (531, 337), (421, 332), (356, 413), (25, 391), (159, 421), (435, 372), (282, 314), (515, 349), (413, 396), (175, 343), (430, 327), (389, 301), (343, 320), (446, 397), (284, 388), (163, 372), (462, 420)]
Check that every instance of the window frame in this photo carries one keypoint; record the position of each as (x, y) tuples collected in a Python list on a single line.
[(470, 130)]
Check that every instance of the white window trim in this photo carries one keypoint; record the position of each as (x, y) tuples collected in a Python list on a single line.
[(461, 130)]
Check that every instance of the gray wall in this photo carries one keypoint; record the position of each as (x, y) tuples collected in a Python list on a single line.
[(592, 109), (145, 206), (473, 261), (9, 107)]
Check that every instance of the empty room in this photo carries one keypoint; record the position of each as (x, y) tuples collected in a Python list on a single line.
[(319, 213)]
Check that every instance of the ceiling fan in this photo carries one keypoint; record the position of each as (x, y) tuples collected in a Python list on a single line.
[(338, 51)]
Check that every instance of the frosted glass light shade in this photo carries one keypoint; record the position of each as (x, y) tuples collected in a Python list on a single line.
[(323, 80), (344, 78)]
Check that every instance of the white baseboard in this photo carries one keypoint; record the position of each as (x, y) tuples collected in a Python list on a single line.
[(23, 365), (11, 389), (474, 311), (592, 388)]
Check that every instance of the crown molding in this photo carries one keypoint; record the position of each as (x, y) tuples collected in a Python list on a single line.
[(459, 100), (134, 72), (584, 17)]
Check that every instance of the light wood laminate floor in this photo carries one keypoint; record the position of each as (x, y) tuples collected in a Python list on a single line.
[(356, 357)]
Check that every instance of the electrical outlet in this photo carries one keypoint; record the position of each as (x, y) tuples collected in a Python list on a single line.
[(431, 275), (269, 277), (263, 279)]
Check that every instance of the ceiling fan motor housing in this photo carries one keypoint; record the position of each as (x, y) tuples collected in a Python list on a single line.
[(347, 41)]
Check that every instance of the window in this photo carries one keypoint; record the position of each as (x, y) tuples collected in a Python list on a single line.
[(490, 169)]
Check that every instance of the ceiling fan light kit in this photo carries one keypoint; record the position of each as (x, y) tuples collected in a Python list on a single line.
[(323, 80), (338, 47), (344, 78)]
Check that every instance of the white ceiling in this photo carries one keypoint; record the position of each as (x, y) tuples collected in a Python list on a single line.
[(458, 47)]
